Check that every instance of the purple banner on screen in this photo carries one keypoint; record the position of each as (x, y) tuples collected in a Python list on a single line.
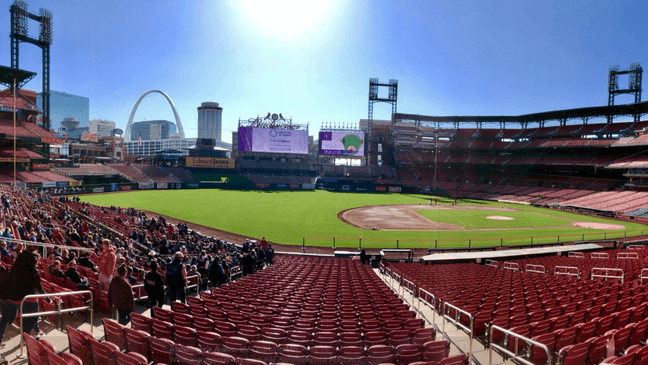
[(272, 140)]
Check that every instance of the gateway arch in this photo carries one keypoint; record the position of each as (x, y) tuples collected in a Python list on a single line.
[(132, 114)]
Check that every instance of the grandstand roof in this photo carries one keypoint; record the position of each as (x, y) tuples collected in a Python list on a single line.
[(8, 74), (565, 114)]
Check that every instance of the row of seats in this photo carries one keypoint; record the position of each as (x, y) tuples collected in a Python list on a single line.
[(227, 350), (307, 336)]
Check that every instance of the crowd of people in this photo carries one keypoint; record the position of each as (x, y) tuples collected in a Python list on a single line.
[(92, 255)]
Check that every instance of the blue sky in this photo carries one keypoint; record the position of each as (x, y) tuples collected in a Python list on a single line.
[(313, 61)]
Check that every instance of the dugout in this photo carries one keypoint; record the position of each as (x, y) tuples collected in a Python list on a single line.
[(350, 185)]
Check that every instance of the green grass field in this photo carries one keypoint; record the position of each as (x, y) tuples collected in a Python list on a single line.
[(287, 217)]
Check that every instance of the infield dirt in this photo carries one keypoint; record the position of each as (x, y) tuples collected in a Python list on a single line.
[(405, 217)]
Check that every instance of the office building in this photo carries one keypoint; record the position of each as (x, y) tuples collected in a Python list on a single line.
[(64, 105), (152, 130), (210, 121), (103, 128)]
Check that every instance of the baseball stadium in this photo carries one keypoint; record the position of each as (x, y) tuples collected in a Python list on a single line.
[(419, 239)]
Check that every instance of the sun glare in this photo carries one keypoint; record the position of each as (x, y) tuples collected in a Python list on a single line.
[(285, 16)]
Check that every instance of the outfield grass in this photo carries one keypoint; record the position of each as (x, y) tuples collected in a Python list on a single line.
[(286, 217)]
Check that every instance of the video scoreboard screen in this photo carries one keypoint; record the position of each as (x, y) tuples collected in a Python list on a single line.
[(342, 143), (272, 140)]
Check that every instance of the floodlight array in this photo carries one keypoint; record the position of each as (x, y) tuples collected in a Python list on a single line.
[(21, 24), (45, 26)]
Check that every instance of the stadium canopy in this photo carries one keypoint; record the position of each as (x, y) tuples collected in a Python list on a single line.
[(9, 74), (560, 115)]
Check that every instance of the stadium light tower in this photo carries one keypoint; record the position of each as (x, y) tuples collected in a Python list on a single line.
[(634, 73), (392, 98), (18, 33)]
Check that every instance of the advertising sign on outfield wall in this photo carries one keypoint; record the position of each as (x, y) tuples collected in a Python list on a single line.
[(394, 189), (49, 184), (147, 185), (307, 186), (162, 185), (210, 162)]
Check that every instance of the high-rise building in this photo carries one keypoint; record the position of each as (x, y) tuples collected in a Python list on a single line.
[(64, 105), (152, 130), (210, 121), (103, 128)]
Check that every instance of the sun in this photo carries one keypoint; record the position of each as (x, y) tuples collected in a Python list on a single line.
[(285, 16)]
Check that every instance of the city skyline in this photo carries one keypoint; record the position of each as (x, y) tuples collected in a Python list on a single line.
[(313, 63)]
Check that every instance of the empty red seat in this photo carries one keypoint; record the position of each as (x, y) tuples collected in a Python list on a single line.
[(161, 350), (137, 341), (379, 354), (114, 333), (574, 354)]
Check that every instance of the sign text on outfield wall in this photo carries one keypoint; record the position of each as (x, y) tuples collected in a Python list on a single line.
[(210, 162)]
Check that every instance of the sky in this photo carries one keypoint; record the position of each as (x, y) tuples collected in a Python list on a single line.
[(312, 60)]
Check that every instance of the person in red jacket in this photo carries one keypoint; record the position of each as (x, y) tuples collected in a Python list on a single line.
[(106, 264), (120, 295)]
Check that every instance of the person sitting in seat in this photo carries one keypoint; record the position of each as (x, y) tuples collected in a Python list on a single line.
[(73, 274), (55, 269)]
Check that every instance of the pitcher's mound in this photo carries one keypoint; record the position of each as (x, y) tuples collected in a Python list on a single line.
[(593, 225), (499, 218)]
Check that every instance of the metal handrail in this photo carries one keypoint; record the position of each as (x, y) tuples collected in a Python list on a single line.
[(409, 286), (140, 297), (577, 274), (578, 255), (511, 266), (235, 271), (606, 275), (187, 286), (636, 247), (458, 324), (600, 255), (399, 279), (642, 277), (492, 263), (45, 246), (627, 255), (540, 269), (427, 302), (58, 311), (511, 354)]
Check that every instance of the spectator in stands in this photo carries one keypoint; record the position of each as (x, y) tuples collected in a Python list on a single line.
[(74, 276), (17, 250), (120, 295), (260, 258), (176, 274), (216, 273), (71, 257), (269, 254), (3, 249), (247, 264), (7, 234), (23, 280), (107, 262), (131, 279), (84, 260), (263, 244), (55, 269), (154, 287), (363, 256)]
